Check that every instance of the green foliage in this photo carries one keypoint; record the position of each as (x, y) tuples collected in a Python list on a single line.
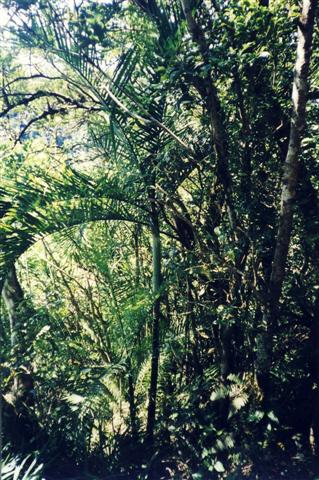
[(16, 468), (113, 119)]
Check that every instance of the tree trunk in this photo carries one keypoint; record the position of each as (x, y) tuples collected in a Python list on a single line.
[(314, 341), (136, 240), (309, 207), (288, 194), (208, 91), (13, 297), (192, 319), (132, 401), (20, 426), (157, 280)]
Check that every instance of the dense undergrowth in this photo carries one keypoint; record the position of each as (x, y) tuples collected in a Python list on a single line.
[(159, 239)]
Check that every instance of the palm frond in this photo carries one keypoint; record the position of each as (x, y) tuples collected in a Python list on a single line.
[(34, 207)]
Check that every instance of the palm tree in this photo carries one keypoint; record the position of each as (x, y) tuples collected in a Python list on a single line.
[(136, 137)]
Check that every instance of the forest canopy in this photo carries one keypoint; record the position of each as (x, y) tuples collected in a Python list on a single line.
[(159, 239)]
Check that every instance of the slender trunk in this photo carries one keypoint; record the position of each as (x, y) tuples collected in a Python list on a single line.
[(246, 165), (208, 91), (136, 239), (13, 297), (288, 194), (1, 441), (195, 342), (314, 332), (309, 207), (157, 280), (132, 405)]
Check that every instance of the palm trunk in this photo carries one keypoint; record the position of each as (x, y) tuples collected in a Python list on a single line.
[(288, 194), (157, 280), (131, 399), (136, 239)]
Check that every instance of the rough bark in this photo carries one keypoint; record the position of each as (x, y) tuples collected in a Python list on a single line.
[(208, 91), (12, 295), (288, 194)]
